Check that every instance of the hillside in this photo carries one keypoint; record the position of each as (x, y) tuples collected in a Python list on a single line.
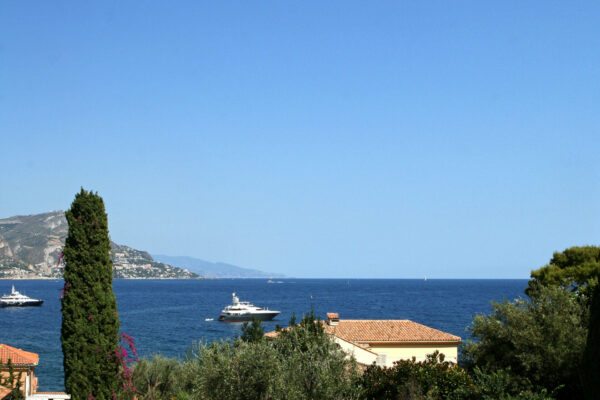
[(217, 270), (30, 248)]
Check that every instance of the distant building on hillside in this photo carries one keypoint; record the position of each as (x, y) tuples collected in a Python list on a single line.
[(24, 364), (385, 341)]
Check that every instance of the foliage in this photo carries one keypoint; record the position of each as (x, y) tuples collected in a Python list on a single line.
[(432, 379), (576, 267), (497, 386), (157, 378), (314, 366), (90, 324), (301, 363), (539, 342), (590, 373), (252, 332), (13, 382), (126, 355), (224, 370)]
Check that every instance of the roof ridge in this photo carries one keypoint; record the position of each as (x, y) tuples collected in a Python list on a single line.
[(381, 330), (378, 320), (364, 330)]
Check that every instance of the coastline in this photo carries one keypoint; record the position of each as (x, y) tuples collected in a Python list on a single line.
[(45, 278)]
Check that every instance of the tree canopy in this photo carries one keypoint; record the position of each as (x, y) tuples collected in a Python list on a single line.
[(539, 341), (578, 267)]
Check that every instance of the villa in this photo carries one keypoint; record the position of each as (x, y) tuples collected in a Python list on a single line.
[(384, 341), (24, 364)]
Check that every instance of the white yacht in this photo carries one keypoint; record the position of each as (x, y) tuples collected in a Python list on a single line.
[(244, 311), (16, 299)]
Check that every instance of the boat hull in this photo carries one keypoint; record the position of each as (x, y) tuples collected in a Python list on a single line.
[(266, 316), (35, 303)]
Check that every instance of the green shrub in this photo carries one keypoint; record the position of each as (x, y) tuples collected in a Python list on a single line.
[(226, 370), (314, 366), (433, 378), (157, 379), (253, 332)]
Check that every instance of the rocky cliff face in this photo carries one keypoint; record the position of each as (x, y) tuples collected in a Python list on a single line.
[(30, 248)]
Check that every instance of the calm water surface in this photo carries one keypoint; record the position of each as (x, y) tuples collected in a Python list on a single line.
[(167, 316)]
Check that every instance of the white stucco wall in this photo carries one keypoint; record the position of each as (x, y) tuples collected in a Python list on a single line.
[(395, 352), (361, 355)]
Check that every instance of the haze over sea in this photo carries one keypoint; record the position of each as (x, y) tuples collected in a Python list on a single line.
[(166, 316)]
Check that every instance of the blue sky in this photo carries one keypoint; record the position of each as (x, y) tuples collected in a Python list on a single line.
[(315, 139)]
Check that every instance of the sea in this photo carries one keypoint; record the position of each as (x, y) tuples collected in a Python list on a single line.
[(167, 316)]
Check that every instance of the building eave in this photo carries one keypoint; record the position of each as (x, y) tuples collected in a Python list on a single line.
[(363, 342)]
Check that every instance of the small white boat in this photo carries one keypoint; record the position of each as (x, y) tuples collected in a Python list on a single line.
[(16, 299)]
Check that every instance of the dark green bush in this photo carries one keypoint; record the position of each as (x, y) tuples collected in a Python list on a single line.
[(433, 378), (590, 371)]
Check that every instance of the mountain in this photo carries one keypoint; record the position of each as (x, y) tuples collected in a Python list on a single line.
[(30, 248), (217, 270)]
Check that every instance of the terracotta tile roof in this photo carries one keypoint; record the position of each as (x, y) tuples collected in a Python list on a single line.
[(17, 356), (272, 334), (333, 315), (403, 330), (381, 330), (4, 392)]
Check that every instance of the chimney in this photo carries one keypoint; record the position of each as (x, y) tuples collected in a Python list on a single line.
[(333, 318)]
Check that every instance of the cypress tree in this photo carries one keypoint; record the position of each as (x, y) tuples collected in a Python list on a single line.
[(90, 324), (590, 374)]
